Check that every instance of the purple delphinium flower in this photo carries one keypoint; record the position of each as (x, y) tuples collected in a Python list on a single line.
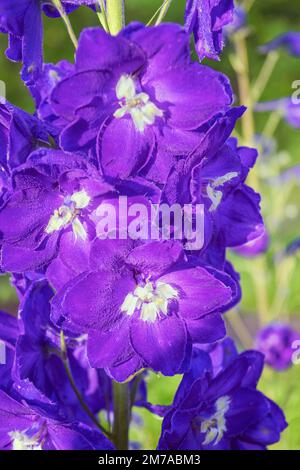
[(275, 341), (144, 306), (222, 353), (8, 335), (22, 21), (137, 97), (32, 427), (206, 19), (255, 247), (224, 412), (50, 75), (39, 370), (287, 107), (52, 193), (214, 175), (20, 134), (289, 41)]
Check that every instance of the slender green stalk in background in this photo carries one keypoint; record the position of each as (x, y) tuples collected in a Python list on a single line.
[(284, 273), (122, 412), (65, 18), (163, 11), (264, 76), (242, 72), (248, 4), (115, 15), (240, 329), (156, 13), (101, 12), (272, 124), (259, 271)]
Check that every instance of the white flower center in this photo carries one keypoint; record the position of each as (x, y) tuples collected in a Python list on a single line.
[(68, 213), (215, 426), (216, 195), (142, 111), (151, 300), (21, 441)]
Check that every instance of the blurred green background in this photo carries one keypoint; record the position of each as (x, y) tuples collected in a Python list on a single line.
[(280, 282)]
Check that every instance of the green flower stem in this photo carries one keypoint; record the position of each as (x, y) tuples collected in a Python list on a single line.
[(163, 11), (259, 269), (64, 358), (65, 18), (101, 12), (260, 279), (115, 15), (284, 273), (272, 124), (239, 328), (121, 415), (264, 75), (242, 72), (248, 4)]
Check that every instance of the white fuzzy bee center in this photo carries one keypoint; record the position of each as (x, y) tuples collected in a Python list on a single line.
[(215, 426), (151, 300), (142, 111), (68, 213), (21, 441), (214, 194)]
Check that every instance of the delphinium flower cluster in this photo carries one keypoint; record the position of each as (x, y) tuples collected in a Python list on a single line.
[(132, 118)]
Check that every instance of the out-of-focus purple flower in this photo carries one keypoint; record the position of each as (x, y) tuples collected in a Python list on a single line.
[(222, 412), (255, 247), (267, 146), (143, 311), (35, 427), (275, 342), (288, 107), (238, 22), (292, 174), (206, 19), (289, 41), (137, 99), (294, 246), (22, 21)]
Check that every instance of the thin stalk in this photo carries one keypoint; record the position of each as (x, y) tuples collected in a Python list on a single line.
[(101, 12), (260, 281), (156, 13), (65, 18), (284, 276), (135, 388), (248, 4), (272, 124), (240, 329), (264, 75), (115, 15), (121, 415), (259, 271), (163, 11), (244, 88), (64, 358)]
